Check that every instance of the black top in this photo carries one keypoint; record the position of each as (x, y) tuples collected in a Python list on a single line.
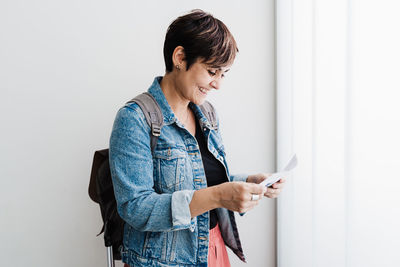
[(215, 171)]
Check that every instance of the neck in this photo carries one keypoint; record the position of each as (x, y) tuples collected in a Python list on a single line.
[(177, 102)]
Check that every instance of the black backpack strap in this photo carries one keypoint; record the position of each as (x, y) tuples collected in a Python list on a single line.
[(209, 111), (153, 114)]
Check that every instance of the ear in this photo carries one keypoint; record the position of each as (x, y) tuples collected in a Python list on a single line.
[(178, 57)]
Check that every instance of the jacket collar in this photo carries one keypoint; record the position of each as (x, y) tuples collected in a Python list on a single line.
[(169, 116), (158, 94), (204, 123)]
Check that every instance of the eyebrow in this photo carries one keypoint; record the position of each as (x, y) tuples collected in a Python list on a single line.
[(219, 68)]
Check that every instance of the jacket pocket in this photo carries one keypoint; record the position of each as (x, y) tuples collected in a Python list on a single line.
[(169, 169), (156, 245)]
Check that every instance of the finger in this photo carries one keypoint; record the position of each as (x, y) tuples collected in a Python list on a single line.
[(250, 205), (277, 185), (260, 179), (271, 195), (257, 189), (273, 191), (257, 197), (254, 197), (280, 183), (254, 203)]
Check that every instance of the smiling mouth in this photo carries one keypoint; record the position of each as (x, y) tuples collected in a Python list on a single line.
[(204, 91)]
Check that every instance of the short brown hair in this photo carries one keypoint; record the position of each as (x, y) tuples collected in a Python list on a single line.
[(203, 37)]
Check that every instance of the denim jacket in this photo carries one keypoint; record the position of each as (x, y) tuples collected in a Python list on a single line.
[(153, 189)]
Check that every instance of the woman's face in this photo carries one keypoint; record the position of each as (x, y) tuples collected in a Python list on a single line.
[(195, 83)]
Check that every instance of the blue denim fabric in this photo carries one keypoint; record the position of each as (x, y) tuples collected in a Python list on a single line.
[(153, 189)]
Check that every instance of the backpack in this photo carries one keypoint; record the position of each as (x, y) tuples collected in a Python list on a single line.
[(101, 189)]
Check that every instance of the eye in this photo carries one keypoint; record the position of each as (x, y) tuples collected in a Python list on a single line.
[(211, 73)]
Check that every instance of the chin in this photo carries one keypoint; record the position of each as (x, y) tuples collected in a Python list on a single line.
[(199, 101)]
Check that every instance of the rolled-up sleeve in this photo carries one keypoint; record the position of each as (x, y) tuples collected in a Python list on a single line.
[(131, 165), (181, 217)]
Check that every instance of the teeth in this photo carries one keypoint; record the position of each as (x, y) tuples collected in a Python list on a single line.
[(202, 90)]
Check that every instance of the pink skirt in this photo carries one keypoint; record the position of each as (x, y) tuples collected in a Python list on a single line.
[(217, 254)]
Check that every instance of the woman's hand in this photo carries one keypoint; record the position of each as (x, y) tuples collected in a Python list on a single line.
[(237, 196), (274, 190)]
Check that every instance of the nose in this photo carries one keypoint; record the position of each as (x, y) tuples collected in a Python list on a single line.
[(216, 84)]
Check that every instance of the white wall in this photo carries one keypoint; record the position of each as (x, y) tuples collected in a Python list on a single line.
[(65, 69), (337, 108)]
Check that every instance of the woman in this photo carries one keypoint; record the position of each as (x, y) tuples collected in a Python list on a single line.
[(178, 200)]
